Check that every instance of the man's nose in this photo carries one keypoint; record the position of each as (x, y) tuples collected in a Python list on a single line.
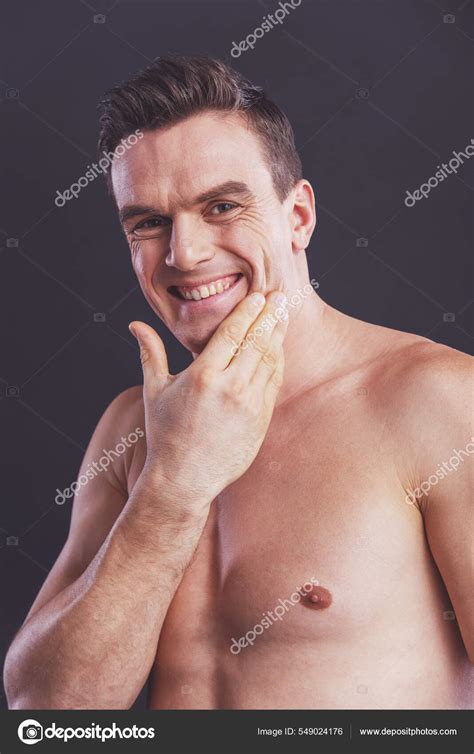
[(187, 249)]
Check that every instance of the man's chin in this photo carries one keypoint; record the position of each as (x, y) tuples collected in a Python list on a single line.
[(195, 342)]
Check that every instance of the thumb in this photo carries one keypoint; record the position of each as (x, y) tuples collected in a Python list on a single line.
[(152, 354)]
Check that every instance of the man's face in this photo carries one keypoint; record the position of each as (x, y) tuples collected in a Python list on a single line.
[(203, 221)]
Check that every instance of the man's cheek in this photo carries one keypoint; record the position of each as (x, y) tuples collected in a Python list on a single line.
[(138, 258), (145, 264), (243, 248), (257, 277)]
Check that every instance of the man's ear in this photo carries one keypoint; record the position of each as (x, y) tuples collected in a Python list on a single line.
[(302, 215)]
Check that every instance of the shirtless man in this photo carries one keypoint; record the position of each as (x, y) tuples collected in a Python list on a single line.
[(284, 463)]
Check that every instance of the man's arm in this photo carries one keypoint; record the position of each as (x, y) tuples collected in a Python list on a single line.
[(440, 440), (449, 511), (91, 636)]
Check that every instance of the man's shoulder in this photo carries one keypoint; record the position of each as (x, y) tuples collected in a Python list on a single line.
[(392, 363), (126, 406), (121, 432), (423, 392), (420, 370), (124, 415)]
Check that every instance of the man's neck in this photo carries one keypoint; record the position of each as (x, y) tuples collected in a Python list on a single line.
[(312, 344)]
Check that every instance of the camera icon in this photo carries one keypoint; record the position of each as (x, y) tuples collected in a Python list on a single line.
[(362, 93), (99, 18), (12, 93), (449, 317), (12, 243), (30, 732), (449, 19), (11, 541), (99, 317), (362, 243), (12, 391)]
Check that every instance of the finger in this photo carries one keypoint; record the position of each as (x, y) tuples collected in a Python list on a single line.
[(264, 338), (152, 355), (221, 348), (268, 381)]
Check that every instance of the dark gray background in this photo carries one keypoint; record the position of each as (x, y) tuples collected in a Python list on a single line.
[(378, 94)]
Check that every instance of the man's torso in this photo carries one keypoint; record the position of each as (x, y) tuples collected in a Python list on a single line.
[(323, 501)]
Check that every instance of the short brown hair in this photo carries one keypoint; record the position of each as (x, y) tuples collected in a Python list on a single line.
[(176, 87)]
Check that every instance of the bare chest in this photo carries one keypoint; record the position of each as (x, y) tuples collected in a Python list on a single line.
[(311, 562), (312, 542)]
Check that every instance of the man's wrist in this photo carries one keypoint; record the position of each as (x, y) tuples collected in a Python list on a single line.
[(176, 500)]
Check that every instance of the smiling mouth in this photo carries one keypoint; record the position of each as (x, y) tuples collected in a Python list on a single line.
[(198, 292)]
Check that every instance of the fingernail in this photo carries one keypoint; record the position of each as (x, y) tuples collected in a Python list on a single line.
[(258, 300)]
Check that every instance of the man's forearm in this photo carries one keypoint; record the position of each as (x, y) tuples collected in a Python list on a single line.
[(92, 646)]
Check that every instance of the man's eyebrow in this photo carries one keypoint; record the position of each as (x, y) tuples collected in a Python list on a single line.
[(236, 188), (229, 187), (131, 210)]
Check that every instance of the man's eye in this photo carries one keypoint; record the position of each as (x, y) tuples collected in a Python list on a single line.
[(151, 227), (219, 209), (153, 222)]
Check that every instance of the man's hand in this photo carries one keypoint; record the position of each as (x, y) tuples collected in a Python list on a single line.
[(205, 426)]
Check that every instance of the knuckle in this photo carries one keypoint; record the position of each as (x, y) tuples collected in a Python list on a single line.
[(232, 393), (231, 331), (144, 355), (259, 347), (270, 359), (254, 409), (235, 388), (277, 379), (204, 378)]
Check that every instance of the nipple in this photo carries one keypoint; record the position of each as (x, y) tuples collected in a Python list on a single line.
[(316, 598)]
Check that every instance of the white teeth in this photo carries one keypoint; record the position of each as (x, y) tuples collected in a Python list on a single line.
[(204, 291)]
